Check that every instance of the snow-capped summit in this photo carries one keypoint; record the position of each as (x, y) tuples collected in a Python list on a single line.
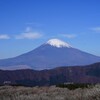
[(58, 43)]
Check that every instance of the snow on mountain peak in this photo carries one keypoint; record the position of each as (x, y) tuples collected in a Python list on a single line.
[(58, 43)]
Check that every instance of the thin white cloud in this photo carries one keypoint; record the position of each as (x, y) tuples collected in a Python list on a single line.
[(4, 36), (28, 29), (29, 35), (96, 29), (69, 35)]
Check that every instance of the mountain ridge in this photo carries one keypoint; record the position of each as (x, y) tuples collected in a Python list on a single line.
[(74, 74)]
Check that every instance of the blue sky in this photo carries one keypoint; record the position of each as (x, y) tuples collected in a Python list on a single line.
[(26, 24)]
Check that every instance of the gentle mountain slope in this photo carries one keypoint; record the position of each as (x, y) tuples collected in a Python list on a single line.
[(51, 54)]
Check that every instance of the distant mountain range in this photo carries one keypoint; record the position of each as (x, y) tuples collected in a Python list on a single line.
[(49, 55), (75, 74)]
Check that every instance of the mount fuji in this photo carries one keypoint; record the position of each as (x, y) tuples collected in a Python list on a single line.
[(53, 53)]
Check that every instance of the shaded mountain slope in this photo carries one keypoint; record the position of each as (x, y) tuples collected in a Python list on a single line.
[(76, 74)]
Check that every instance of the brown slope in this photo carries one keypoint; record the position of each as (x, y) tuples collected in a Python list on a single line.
[(76, 74)]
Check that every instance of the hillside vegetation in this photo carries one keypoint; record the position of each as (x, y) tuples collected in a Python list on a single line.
[(49, 93), (65, 74)]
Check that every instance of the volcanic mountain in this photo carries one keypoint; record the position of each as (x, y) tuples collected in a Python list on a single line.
[(49, 55)]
